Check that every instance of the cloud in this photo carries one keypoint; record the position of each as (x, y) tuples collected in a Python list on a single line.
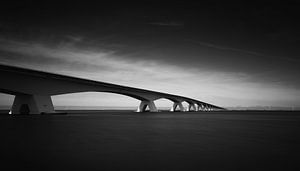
[(74, 38), (225, 48), (38, 55), (71, 60)]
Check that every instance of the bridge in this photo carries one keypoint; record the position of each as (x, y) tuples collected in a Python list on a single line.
[(33, 90)]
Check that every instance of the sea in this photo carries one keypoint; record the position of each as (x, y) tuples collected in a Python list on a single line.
[(125, 140)]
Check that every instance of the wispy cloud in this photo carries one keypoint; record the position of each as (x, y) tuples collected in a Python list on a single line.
[(45, 59), (225, 48)]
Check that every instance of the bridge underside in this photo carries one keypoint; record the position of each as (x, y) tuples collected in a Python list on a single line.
[(39, 104), (33, 91)]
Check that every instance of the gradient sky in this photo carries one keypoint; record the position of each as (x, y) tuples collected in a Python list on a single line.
[(228, 54)]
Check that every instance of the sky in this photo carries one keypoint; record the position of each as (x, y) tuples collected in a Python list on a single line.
[(227, 54)]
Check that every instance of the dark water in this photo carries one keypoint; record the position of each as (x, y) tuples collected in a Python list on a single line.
[(152, 141)]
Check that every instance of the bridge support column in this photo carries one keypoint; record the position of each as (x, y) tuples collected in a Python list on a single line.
[(191, 107), (203, 107), (32, 104), (206, 107), (179, 104), (196, 107), (145, 103), (199, 107)]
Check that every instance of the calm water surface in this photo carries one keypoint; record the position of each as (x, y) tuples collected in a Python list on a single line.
[(152, 141)]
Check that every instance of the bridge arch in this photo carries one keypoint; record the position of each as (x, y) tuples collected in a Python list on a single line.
[(94, 100), (185, 105), (135, 96), (164, 104), (189, 105)]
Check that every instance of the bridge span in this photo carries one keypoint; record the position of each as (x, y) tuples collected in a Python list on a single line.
[(33, 90)]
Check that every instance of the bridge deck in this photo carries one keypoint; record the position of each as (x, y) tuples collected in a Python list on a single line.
[(32, 86)]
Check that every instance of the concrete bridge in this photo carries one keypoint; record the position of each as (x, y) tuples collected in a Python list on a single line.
[(33, 90)]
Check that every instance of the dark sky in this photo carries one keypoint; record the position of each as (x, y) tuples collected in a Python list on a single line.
[(256, 44)]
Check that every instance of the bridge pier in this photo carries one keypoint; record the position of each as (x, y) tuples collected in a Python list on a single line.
[(196, 107), (201, 107), (32, 104), (143, 105), (207, 108), (191, 107), (175, 105)]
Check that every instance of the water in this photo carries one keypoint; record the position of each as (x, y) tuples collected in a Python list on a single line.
[(152, 141)]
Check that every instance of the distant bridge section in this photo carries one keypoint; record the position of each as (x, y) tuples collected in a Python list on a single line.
[(33, 90)]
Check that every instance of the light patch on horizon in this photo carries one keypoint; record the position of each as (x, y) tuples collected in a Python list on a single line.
[(220, 88)]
